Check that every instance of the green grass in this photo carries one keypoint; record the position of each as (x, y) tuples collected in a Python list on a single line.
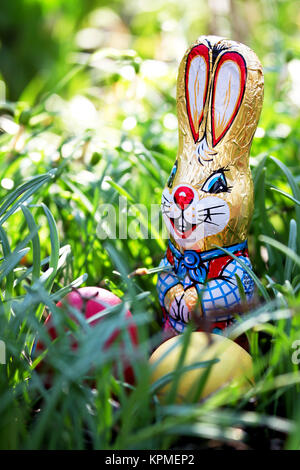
[(64, 166)]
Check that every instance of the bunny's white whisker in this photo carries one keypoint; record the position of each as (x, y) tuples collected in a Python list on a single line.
[(211, 214)]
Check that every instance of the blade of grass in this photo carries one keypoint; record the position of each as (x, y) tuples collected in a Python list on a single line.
[(293, 184), (11, 261), (7, 252), (253, 319), (54, 240), (28, 189), (167, 378), (292, 245), (274, 188), (36, 248), (281, 247)]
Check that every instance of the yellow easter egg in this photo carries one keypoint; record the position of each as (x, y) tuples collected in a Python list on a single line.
[(233, 365)]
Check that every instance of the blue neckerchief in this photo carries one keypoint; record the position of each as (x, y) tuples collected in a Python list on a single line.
[(191, 262)]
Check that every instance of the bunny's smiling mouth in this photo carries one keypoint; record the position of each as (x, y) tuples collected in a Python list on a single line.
[(182, 227)]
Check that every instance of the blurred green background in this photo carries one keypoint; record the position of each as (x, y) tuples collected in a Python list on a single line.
[(38, 37)]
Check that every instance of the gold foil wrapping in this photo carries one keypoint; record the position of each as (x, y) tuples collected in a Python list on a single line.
[(231, 153)]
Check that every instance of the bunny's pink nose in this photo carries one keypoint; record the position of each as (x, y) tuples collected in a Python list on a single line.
[(183, 197)]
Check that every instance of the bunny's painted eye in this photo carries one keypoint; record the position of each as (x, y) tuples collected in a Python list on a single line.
[(172, 175), (216, 183)]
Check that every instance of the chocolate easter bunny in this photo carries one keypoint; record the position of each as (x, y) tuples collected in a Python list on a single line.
[(208, 200)]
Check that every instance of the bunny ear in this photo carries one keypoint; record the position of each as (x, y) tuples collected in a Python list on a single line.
[(196, 85), (228, 91)]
